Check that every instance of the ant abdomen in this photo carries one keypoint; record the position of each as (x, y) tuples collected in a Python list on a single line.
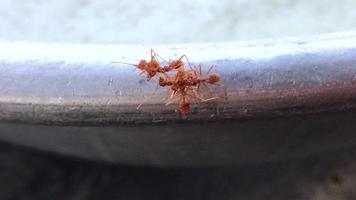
[(184, 107), (153, 64), (213, 78)]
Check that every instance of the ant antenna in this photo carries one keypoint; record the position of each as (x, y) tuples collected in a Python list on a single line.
[(117, 62)]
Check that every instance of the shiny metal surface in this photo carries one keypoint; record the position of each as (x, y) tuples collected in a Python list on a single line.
[(77, 84), (78, 89)]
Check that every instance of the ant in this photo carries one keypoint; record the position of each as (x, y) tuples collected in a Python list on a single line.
[(153, 67), (183, 84), (187, 83)]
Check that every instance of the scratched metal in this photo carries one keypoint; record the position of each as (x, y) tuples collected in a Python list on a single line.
[(70, 85), (78, 84)]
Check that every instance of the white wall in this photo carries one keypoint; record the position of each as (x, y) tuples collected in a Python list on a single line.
[(160, 21)]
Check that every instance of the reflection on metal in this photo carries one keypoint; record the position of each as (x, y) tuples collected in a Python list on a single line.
[(77, 84), (73, 84)]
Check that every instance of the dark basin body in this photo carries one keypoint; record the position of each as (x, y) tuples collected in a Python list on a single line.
[(279, 106), (194, 144)]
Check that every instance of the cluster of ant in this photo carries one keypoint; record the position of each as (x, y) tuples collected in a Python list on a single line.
[(183, 84)]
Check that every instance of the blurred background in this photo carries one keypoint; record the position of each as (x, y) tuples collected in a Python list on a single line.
[(30, 174), (159, 21)]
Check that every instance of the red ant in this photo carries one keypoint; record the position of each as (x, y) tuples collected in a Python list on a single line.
[(153, 66), (187, 84)]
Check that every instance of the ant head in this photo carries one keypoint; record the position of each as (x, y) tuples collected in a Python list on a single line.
[(213, 78), (152, 68), (142, 64), (162, 81), (175, 64)]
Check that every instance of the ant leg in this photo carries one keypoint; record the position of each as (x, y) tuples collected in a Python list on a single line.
[(210, 91), (144, 101), (218, 84), (153, 53), (212, 98), (117, 62), (211, 67), (153, 93), (141, 73), (200, 70), (196, 98), (194, 94), (165, 76), (195, 73), (196, 69), (222, 86), (154, 56), (185, 56), (158, 56), (143, 76), (204, 100), (170, 98)]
